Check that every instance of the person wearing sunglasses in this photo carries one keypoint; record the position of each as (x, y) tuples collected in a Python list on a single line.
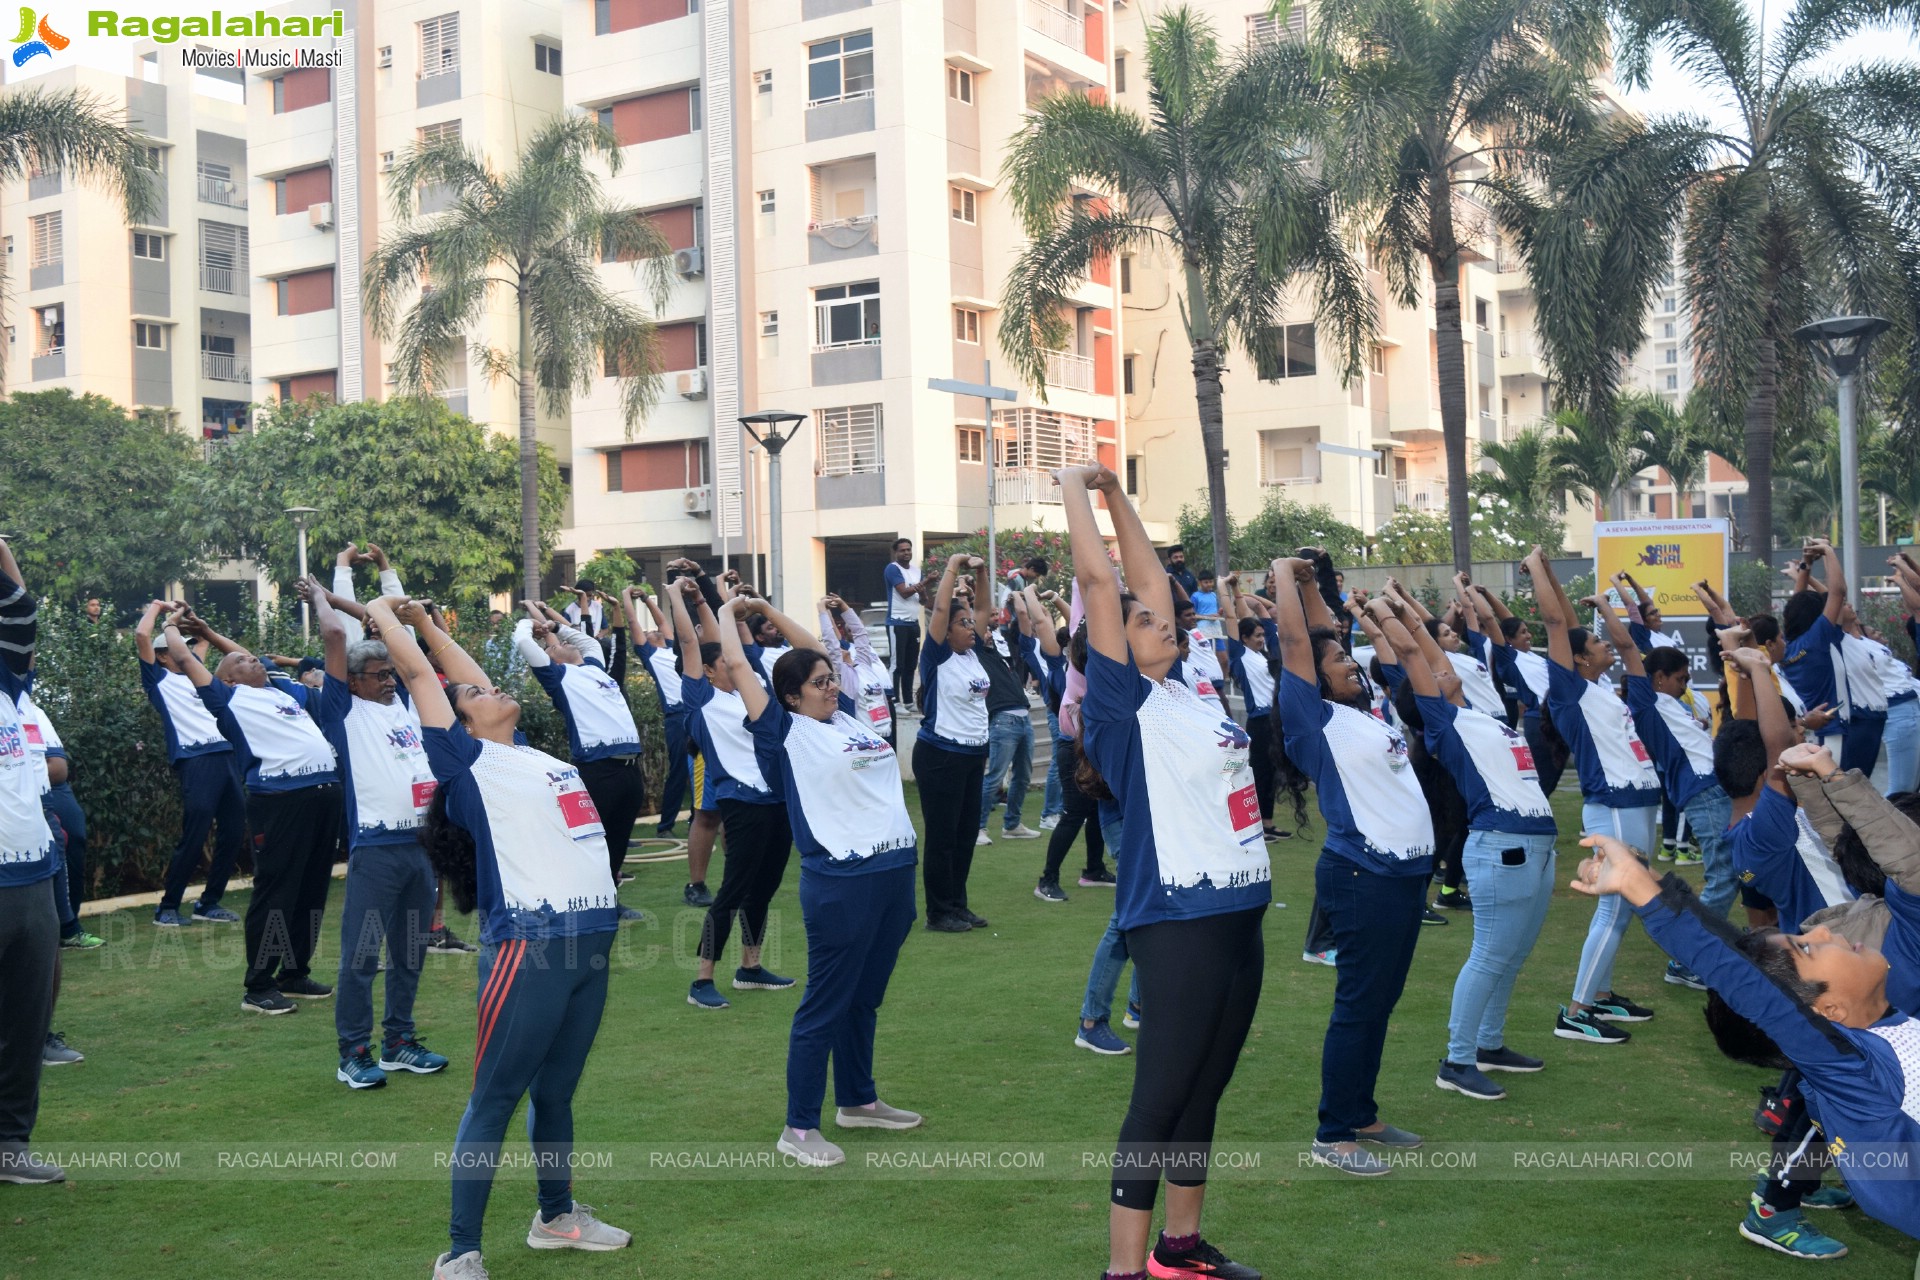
[(375, 732), (841, 783)]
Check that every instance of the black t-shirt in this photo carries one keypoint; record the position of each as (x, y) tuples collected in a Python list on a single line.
[(1007, 675)]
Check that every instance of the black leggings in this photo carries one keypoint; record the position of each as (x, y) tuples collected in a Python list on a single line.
[(1790, 1180), (950, 807), (759, 843), (1079, 811), (1201, 978), (1260, 729), (619, 792)]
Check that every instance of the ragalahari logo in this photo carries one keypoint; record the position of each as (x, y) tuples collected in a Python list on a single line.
[(35, 38)]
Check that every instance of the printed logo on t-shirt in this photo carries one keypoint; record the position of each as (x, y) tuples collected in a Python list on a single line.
[(978, 688), (404, 741), (1397, 755), (865, 749), (12, 744), (286, 706)]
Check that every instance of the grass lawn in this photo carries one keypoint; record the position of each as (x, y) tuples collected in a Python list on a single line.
[(976, 1033)]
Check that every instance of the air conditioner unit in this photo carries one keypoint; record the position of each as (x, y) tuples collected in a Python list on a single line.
[(690, 262), (321, 214), (699, 502), (386, 162), (386, 56), (693, 384)]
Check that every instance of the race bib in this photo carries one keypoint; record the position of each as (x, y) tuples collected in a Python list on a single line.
[(878, 714), (1243, 808), (1639, 750), (1204, 687), (1523, 758), (423, 793), (33, 734), (576, 808)]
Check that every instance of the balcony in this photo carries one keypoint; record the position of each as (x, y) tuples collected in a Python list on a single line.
[(1055, 23), (1069, 372), (217, 279), (1419, 495), (843, 238), (222, 191), (1024, 485), (222, 367)]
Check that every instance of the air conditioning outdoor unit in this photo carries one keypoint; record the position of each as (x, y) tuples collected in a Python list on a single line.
[(690, 262), (699, 502), (321, 214), (693, 384)]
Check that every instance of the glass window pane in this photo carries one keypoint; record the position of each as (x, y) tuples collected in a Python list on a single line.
[(864, 40), (823, 80), (1300, 351), (843, 324)]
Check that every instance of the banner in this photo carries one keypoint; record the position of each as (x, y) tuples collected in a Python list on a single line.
[(1666, 557)]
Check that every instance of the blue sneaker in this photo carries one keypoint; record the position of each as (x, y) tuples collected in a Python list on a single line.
[(704, 995), (410, 1055), (759, 979), (1787, 1231), (215, 914), (1131, 1018), (1681, 976), (357, 1070), (1828, 1198), (1102, 1039), (1466, 1079), (168, 918)]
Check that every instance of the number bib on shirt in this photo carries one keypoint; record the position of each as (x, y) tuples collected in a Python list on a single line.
[(576, 806)]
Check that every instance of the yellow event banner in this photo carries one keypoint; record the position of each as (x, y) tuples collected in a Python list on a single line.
[(1666, 557)]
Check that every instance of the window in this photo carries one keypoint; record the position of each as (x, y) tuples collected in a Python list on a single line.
[(147, 245), (960, 84), (546, 57), (1267, 28), (1673, 382), (223, 258), (1119, 74), (1041, 441), (1380, 361), (769, 324), (1669, 355), (1133, 473), (1295, 355), (966, 325), (440, 45), (766, 200), (693, 108), (52, 322), (657, 468), (605, 117), (962, 201), (48, 239), (971, 444), (445, 131), (1126, 273), (156, 159), (849, 440), (614, 478), (386, 56), (1382, 459), (763, 83), (150, 337), (1126, 375), (1669, 303), (846, 315), (1290, 456), (1480, 313), (840, 69)]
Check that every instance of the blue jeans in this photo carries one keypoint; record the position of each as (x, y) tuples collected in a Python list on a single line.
[(1707, 817), (1109, 954), (1509, 906), (1641, 829), (390, 902), (1052, 804), (1009, 748), (1903, 746), (1860, 745), (1376, 920)]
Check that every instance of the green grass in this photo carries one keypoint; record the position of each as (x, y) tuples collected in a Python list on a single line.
[(976, 1033)]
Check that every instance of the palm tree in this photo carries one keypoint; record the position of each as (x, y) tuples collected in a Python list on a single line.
[(1532, 478), (1801, 207), (74, 131), (1890, 468), (1432, 106), (1810, 484), (1670, 442), (1597, 454), (1216, 177), (537, 235)]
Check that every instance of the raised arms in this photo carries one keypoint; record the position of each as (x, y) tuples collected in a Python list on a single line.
[(1093, 572), (416, 672), (746, 681)]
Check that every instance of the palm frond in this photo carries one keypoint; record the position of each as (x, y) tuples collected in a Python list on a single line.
[(81, 133)]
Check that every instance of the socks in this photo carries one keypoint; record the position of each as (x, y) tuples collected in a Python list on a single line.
[(1178, 1245)]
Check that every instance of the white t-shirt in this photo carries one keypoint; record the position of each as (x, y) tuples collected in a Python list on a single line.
[(1477, 683), (40, 736), (1866, 685), (723, 735), (390, 785), (956, 696), (901, 608), (663, 663), (1201, 670), (842, 783), (25, 837), (287, 748), (1533, 669)]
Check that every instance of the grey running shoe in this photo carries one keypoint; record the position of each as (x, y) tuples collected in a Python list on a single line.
[(465, 1267), (18, 1164), (58, 1053), (577, 1228), (809, 1147), (1358, 1161), (1388, 1136), (1021, 832), (878, 1116)]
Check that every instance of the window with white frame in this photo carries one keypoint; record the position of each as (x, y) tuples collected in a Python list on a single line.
[(849, 440), (1041, 440), (1120, 73), (1673, 382), (1290, 456), (966, 325), (1126, 273), (766, 199), (49, 239), (52, 324), (1269, 28), (769, 324), (1380, 360), (1669, 355), (546, 57), (763, 82), (846, 315), (444, 131), (960, 84), (1126, 375), (838, 70), (149, 337), (961, 199), (1669, 303), (150, 246), (440, 45), (1668, 330), (970, 444)]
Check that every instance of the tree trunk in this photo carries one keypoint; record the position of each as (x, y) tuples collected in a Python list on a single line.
[(529, 459), (1206, 393), (1452, 361), (1762, 410)]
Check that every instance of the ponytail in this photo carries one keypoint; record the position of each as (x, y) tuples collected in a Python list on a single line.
[(451, 850)]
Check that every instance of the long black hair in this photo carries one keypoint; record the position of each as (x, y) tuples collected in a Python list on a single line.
[(1287, 775), (450, 847)]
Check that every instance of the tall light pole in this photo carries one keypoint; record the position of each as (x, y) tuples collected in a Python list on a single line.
[(1841, 343), (988, 393), (767, 428), (300, 515)]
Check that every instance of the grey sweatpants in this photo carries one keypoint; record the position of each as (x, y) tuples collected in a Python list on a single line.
[(390, 901), (29, 949)]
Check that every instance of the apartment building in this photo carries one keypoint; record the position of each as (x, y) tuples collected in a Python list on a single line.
[(156, 315), (827, 171)]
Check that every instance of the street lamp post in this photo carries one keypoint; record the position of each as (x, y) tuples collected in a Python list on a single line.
[(773, 429), (1841, 343), (300, 515)]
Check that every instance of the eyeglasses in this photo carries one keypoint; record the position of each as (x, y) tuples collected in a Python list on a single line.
[(384, 676), (826, 682)]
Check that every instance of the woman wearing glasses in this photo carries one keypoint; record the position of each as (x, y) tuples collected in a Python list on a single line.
[(857, 852)]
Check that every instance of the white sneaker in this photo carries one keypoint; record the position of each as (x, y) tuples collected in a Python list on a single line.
[(577, 1228), (1021, 832), (1049, 822), (879, 1116), (809, 1147), (465, 1267), (982, 838)]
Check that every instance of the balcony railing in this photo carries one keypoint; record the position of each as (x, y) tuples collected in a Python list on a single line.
[(57, 349), (216, 279), (1069, 371), (1420, 495), (223, 191), (1013, 485), (1055, 23), (222, 367)]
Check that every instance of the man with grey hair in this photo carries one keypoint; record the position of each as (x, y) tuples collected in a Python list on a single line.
[(376, 734)]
